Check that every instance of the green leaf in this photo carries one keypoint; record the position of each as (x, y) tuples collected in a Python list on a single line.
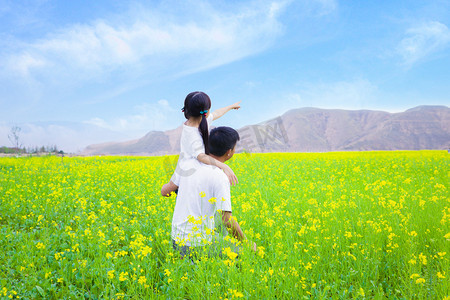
[(41, 291)]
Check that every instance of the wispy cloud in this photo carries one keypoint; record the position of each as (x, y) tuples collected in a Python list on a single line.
[(146, 42), (423, 40), (149, 116), (69, 137), (325, 7), (356, 94)]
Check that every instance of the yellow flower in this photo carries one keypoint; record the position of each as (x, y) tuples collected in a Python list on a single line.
[(60, 280), (40, 245), (228, 262), (145, 250), (167, 272), (142, 279), (228, 252), (202, 194), (212, 200), (420, 280), (261, 252), (439, 275), (111, 274), (414, 276), (123, 276), (120, 295), (235, 293), (423, 259)]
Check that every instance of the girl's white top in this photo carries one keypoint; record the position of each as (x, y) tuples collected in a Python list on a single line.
[(191, 145)]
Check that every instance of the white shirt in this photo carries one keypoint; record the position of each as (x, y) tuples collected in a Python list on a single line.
[(191, 145), (200, 195)]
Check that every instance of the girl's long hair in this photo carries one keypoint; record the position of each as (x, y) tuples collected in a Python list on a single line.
[(197, 104)]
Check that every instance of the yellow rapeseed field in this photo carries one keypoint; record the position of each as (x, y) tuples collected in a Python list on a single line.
[(328, 225)]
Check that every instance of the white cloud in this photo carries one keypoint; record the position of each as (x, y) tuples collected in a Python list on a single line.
[(326, 6), (69, 137), (74, 137), (357, 94), (148, 117), (423, 40), (147, 42), (316, 8), (22, 64)]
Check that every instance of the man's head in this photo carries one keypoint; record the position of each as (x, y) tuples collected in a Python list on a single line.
[(222, 141)]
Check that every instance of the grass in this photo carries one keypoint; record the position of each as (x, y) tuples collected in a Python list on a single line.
[(363, 225)]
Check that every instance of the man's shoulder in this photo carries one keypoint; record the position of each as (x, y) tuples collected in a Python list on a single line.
[(194, 166), (219, 176), (212, 173)]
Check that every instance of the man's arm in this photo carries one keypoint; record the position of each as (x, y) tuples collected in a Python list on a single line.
[(221, 111), (168, 188), (233, 226)]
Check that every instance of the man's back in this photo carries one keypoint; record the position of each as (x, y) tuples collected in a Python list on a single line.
[(200, 195)]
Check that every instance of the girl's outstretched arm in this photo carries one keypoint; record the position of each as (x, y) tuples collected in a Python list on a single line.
[(221, 111), (206, 159)]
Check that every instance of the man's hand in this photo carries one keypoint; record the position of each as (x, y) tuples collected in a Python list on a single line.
[(168, 188), (233, 226)]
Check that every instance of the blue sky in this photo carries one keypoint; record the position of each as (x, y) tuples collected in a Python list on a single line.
[(74, 73)]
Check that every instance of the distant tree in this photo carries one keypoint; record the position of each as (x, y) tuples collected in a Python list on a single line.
[(14, 137), (5, 149)]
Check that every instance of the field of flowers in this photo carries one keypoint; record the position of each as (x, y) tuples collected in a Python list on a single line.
[(330, 225)]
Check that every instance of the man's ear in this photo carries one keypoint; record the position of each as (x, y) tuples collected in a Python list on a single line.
[(229, 152)]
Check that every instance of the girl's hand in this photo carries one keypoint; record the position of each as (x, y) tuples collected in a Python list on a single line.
[(235, 105), (230, 174)]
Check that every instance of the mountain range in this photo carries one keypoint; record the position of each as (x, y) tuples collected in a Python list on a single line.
[(315, 130)]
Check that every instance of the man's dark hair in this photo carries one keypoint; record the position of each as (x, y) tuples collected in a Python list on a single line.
[(222, 139)]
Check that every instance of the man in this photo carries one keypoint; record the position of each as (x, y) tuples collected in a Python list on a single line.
[(205, 191)]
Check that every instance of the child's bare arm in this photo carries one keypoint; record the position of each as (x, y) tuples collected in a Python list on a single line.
[(168, 188), (221, 111), (206, 159)]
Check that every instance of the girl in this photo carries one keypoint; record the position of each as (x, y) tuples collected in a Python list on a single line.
[(194, 137)]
